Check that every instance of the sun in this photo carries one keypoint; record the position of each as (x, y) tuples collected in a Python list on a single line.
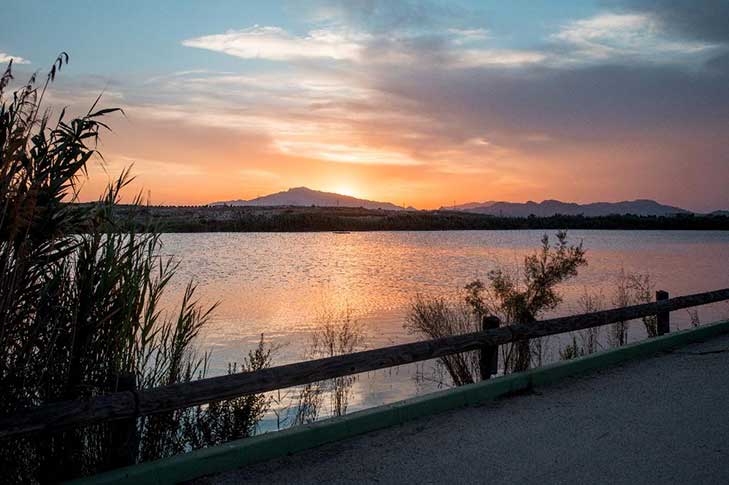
[(346, 190)]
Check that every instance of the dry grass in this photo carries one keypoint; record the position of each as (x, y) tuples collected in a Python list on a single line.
[(337, 332), (436, 318), (590, 302)]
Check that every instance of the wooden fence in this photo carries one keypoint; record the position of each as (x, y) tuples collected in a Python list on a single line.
[(130, 404)]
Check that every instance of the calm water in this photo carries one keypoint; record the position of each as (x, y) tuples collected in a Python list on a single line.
[(278, 283)]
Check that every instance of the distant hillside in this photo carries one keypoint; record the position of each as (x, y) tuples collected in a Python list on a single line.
[(470, 205), (305, 197), (550, 208)]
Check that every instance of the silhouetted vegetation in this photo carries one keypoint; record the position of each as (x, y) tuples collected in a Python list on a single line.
[(514, 298), (337, 333), (523, 298), (436, 318), (293, 219), (80, 303), (632, 289), (232, 419), (590, 302)]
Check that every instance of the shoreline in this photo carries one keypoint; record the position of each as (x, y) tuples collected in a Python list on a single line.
[(200, 219)]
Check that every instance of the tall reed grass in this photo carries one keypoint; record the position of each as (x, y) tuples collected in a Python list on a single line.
[(81, 300)]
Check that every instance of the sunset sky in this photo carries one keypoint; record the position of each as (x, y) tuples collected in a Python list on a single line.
[(416, 103)]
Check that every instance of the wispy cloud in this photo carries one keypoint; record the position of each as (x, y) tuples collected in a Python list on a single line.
[(276, 44), (498, 57), (343, 153), (706, 20), (5, 57), (464, 36), (613, 35), (457, 48)]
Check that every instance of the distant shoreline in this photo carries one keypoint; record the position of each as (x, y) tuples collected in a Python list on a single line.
[(195, 219)]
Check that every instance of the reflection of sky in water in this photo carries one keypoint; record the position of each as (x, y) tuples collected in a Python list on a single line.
[(277, 283)]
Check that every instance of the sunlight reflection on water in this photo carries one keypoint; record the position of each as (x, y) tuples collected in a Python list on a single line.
[(276, 283)]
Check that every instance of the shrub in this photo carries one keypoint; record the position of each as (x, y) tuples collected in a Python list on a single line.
[(524, 299), (436, 318), (513, 299)]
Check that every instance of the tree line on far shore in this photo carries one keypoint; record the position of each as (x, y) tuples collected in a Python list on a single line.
[(301, 219)]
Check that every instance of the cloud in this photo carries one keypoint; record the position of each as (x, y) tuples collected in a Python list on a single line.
[(4, 58), (454, 47), (591, 109), (464, 36), (586, 103), (622, 35), (343, 153), (498, 57), (274, 43), (707, 20), (625, 37)]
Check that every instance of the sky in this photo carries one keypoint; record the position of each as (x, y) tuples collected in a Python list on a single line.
[(418, 103)]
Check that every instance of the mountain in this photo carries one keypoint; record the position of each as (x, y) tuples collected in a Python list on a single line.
[(548, 208), (723, 213), (470, 205), (303, 196)]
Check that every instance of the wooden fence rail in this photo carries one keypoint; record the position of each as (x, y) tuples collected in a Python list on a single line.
[(130, 404)]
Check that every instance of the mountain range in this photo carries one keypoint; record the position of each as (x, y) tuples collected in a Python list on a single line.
[(642, 207), (306, 197)]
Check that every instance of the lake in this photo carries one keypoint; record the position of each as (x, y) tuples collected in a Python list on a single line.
[(279, 284)]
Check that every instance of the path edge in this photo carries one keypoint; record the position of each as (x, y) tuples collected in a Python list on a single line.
[(239, 453)]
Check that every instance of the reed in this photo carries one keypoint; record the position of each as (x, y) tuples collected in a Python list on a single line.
[(81, 299), (337, 332)]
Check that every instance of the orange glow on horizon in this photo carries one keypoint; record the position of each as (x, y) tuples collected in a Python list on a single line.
[(346, 190), (191, 165)]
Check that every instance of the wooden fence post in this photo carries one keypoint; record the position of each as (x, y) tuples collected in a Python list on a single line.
[(123, 433), (489, 356), (663, 319)]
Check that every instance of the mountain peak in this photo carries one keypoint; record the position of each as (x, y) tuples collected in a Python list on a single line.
[(306, 197)]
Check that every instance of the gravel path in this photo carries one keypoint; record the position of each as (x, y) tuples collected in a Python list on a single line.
[(660, 420)]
